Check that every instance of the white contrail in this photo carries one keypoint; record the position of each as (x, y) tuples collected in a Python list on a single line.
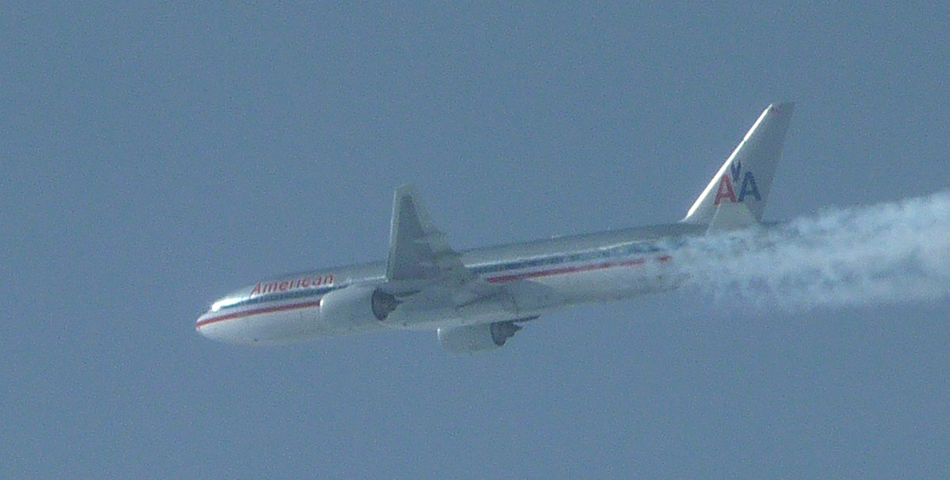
[(885, 253)]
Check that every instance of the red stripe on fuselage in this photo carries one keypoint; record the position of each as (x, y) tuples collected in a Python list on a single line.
[(258, 311), (497, 279)]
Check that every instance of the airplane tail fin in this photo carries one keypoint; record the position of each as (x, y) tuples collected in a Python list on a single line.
[(736, 195)]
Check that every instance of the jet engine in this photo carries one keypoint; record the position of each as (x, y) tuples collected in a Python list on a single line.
[(356, 305), (477, 338)]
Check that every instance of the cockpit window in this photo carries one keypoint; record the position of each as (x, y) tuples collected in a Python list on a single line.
[(225, 302)]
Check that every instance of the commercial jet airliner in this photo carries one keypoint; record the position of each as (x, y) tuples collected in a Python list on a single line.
[(477, 299)]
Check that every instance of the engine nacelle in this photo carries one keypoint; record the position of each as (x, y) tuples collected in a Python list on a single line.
[(477, 338), (356, 306)]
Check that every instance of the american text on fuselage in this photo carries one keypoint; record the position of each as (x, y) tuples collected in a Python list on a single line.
[(476, 299)]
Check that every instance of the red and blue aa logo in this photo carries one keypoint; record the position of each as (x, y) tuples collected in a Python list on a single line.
[(728, 181)]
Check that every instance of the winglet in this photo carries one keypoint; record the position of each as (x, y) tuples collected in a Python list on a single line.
[(746, 177)]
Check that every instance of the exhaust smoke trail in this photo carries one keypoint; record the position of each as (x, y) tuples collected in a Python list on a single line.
[(884, 253)]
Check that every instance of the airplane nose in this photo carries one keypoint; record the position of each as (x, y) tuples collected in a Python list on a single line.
[(214, 326), (217, 322), (201, 325)]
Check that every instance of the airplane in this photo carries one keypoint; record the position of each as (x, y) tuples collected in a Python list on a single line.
[(478, 299)]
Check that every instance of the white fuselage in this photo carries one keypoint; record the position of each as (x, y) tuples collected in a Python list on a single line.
[(540, 276), (476, 298)]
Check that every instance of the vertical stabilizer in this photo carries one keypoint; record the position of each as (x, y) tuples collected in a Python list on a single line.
[(746, 177)]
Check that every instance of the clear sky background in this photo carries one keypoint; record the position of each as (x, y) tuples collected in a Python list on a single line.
[(155, 157)]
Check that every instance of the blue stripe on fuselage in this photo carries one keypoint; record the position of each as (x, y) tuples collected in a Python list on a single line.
[(495, 268)]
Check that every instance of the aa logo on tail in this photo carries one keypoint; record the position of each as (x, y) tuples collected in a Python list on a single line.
[(727, 190)]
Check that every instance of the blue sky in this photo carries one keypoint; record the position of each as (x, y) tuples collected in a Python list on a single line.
[(155, 157)]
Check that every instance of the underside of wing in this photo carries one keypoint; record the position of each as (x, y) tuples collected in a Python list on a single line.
[(428, 285)]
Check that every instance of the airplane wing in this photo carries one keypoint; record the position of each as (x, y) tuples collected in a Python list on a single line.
[(418, 252)]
